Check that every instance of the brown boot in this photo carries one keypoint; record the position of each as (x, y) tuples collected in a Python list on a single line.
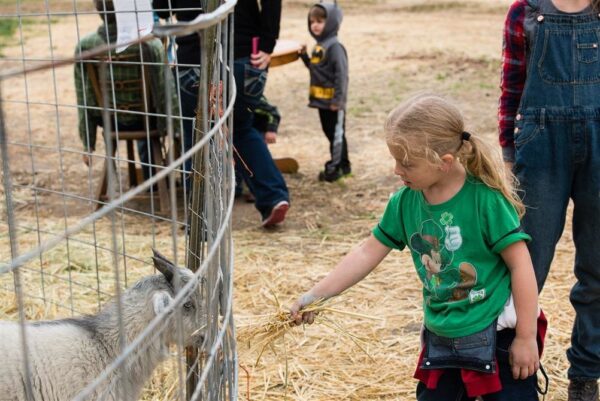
[(583, 390)]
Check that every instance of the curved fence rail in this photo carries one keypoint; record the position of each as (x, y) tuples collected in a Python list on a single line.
[(84, 228)]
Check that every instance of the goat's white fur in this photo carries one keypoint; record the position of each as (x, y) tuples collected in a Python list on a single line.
[(67, 355)]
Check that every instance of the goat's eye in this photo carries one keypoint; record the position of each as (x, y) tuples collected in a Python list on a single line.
[(188, 305)]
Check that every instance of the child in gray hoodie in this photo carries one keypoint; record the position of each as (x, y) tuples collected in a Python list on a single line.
[(328, 66)]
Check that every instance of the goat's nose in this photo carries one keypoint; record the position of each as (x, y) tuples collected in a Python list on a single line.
[(197, 337), (198, 340)]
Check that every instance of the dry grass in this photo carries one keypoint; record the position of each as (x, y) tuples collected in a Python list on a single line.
[(395, 47)]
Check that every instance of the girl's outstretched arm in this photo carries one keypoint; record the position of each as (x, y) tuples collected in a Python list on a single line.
[(350, 270), (524, 356)]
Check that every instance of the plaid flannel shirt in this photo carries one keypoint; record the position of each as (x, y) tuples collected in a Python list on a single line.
[(514, 73), (89, 116)]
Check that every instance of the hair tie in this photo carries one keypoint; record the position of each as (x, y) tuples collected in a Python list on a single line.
[(465, 136)]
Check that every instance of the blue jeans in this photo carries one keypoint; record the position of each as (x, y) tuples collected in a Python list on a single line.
[(557, 159), (189, 79), (256, 165), (573, 172), (450, 386)]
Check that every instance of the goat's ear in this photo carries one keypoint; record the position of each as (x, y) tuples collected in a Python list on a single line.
[(163, 265), (160, 301)]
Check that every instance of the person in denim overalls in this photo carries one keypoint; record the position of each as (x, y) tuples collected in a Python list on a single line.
[(553, 56)]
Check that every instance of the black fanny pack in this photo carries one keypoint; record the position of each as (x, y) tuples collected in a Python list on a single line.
[(475, 352)]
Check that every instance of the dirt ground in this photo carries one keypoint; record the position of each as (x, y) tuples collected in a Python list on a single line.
[(395, 47)]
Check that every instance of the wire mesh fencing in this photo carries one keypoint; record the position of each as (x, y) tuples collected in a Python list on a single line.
[(116, 256)]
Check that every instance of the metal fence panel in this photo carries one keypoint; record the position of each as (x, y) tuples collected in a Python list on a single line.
[(77, 276)]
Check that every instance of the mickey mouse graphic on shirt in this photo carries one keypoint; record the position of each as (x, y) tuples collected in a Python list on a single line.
[(436, 247)]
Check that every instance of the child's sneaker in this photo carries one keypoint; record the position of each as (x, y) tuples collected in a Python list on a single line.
[(334, 175), (277, 214)]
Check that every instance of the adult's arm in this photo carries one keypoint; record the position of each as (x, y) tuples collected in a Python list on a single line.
[(270, 17), (514, 74), (87, 119)]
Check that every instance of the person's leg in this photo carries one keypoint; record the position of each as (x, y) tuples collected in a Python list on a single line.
[(512, 389), (188, 92), (340, 145), (142, 148), (239, 182), (449, 388), (333, 124), (256, 164), (328, 120), (542, 167), (584, 353)]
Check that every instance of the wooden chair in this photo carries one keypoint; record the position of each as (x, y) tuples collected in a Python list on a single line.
[(153, 136)]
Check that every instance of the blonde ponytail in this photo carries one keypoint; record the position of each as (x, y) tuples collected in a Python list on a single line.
[(484, 163), (428, 126)]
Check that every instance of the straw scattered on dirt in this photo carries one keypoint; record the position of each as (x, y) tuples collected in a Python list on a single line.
[(395, 47)]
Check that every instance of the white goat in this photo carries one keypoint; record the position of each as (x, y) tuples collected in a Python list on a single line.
[(66, 355)]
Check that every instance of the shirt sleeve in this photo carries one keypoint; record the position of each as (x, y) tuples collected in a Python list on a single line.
[(88, 119), (305, 59), (274, 119), (270, 16), (514, 73), (389, 231), (502, 226), (341, 75)]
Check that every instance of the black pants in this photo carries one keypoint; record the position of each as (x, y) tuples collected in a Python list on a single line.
[(334, 127)]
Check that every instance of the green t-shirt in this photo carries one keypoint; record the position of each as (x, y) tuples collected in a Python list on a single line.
[(456, 249)]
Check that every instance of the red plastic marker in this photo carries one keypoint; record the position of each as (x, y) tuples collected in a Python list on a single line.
[(255, 44)]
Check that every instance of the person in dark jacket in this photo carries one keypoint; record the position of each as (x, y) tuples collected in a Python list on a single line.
[(261, 27), (328, 66)]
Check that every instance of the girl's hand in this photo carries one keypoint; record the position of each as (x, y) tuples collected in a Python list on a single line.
[(304, 317), (524, 357)]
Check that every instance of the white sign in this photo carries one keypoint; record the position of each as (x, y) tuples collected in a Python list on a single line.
[(134, 20)]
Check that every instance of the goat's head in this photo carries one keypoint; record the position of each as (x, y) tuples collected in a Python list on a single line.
[(192, 314)]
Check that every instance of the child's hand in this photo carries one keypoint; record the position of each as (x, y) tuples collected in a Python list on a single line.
[(270, 137), (305, 317), (302, 50), (334, 107), (524, 357)]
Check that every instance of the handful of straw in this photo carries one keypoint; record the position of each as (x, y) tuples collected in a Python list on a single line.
[(267, 329)]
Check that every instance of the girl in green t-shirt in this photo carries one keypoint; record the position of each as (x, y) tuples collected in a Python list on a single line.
[(460, 218)]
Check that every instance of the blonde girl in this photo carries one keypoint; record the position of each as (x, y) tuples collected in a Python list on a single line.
[(459, 216)]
